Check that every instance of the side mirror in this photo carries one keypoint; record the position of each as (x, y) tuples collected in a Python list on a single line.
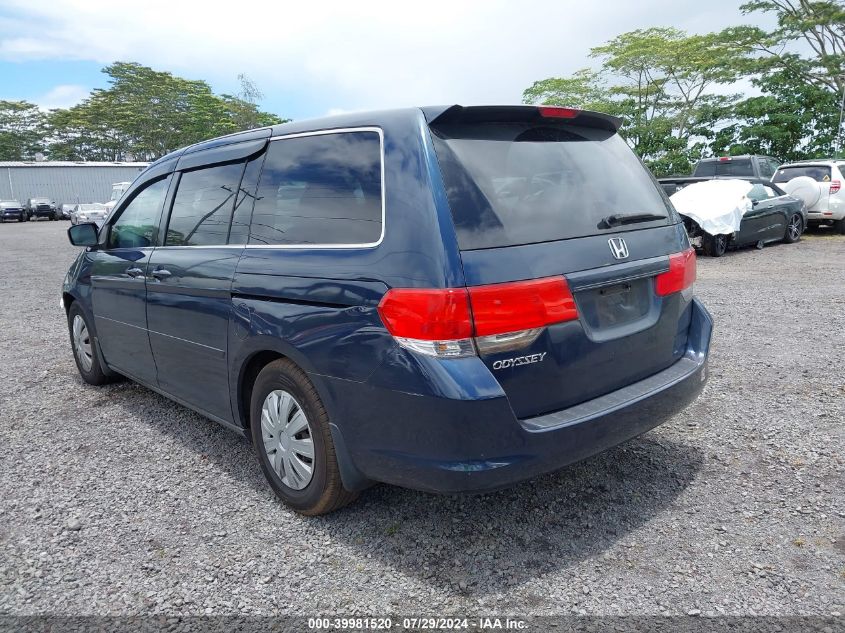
[(754, 203), (83, 235)]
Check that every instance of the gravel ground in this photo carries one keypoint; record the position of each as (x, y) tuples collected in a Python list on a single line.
[(115, 501)]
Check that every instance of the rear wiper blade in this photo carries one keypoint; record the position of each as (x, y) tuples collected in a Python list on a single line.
[(618, 219)]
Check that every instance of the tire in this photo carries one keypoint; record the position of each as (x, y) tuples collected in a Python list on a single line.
[(839, 226), (21, 218), (714, 245), (794, 229), (88, 363), (300, 419)]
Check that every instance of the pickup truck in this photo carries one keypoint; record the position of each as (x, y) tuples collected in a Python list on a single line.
[(747, 166)]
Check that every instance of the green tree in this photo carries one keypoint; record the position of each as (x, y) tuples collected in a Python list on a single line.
[(585, 89), (21, 130), (820, 24), (658, 81), (797, 115), (791, 120), (148, 113)]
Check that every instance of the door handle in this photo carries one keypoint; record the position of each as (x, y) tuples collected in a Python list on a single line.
[(161, 273), (134, 271)]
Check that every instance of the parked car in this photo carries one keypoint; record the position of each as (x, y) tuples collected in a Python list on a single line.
[(826, 200), (747, 166), (12, 210), (94, 212), (446, 298), (66, 209), (42, 208), (730, 213)]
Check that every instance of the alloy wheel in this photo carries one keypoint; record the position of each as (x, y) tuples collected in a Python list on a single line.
[(794, 227), (287, 438)]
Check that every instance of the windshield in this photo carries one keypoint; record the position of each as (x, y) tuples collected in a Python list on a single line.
[(819, 173), (522, 183)]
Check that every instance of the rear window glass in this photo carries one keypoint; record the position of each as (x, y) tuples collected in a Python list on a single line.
[(519, 183), (732, 167), (819, 173)]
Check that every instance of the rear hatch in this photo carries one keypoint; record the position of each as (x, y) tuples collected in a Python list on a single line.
[(554, 194)]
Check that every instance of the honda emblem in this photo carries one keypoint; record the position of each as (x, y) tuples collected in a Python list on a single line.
[(618, 247)]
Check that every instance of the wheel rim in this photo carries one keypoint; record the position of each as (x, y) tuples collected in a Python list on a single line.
[(288, 440), (795, 227), (82, 343)]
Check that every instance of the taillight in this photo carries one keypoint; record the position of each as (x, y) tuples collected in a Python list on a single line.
[(680, 276), (434, 322), (498, 316), (724, 159), (835, 185), (555, 112), (521, 305)]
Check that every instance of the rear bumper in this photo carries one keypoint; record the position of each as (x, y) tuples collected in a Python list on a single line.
[(441, 444), (821, 216)]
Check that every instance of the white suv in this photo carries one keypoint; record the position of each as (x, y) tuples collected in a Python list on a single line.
[(827, 205)]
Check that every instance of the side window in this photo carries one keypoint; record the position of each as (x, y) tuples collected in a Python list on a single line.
[(136, 227), (757, 193), (202, 207), (321, 189), (239, 233), (770, 193)]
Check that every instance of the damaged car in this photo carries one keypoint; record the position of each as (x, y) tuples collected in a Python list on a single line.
[(730, 213)]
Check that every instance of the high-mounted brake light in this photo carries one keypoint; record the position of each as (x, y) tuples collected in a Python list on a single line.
[(499, 316), (680, 276), (556, 112), (724, 159), (835, 185)]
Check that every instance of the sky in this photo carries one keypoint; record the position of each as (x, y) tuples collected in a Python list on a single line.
[(315, 58)]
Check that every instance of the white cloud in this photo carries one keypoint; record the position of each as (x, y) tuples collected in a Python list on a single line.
[(344, 55), (63, 96)]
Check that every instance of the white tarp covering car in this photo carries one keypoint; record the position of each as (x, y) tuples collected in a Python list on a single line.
[(717, 206)]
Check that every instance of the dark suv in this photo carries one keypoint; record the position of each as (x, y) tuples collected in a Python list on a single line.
[(42, 208), (446, 298)]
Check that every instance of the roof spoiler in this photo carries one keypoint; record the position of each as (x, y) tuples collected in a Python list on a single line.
[(519, 114)]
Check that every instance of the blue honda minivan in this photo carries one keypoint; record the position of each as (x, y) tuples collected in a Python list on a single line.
[(450, 299)]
